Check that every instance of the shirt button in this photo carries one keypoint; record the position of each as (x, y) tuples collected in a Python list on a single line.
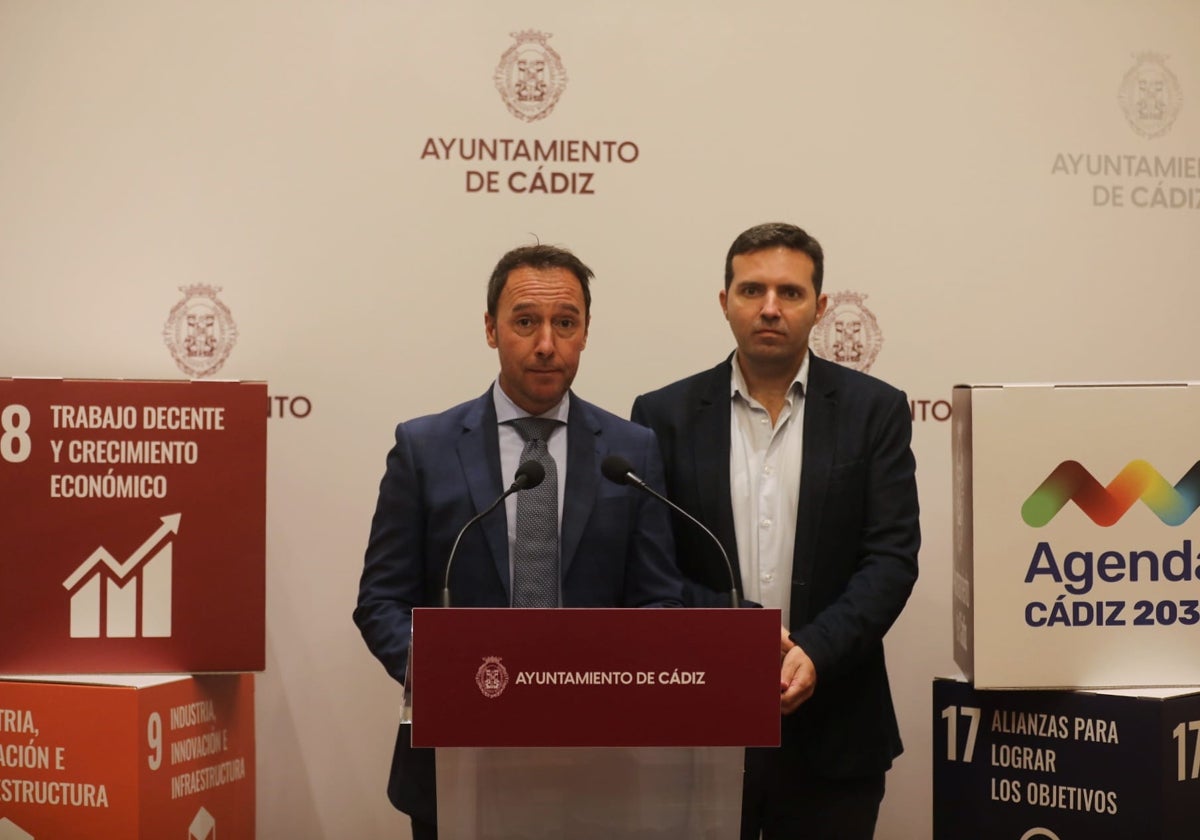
[(767, 578), (766, 523)]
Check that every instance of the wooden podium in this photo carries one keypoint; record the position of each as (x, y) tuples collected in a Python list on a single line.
[(592, 723)]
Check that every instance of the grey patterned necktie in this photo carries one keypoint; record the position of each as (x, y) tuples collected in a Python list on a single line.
[(535, 550)]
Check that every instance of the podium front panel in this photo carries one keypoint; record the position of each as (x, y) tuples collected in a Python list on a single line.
[(595, 677), (633, 793)]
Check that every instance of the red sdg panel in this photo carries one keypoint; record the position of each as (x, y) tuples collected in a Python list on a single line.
[(132, 526)]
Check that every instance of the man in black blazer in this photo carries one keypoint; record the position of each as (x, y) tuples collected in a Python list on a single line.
[(804, 471), (614, 546)]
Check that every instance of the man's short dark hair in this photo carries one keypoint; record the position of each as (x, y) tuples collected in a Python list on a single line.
[(538, 256), (777, 235)]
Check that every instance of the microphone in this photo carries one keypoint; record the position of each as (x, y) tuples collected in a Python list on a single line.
[(529, 474), (618, 470)]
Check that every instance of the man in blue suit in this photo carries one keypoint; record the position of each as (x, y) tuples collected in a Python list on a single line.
[(803, 469), (614, 546)]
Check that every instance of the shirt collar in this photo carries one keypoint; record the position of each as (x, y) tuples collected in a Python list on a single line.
[(507, 410), (738, 388)]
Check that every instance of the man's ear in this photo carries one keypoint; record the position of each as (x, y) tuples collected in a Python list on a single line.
[(489, 329)]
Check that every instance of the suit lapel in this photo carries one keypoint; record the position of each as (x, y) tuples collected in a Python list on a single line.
[(585, 449), (820, 438), (479, 456), (710, 452)]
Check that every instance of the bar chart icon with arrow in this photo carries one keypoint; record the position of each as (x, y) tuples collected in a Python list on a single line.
[(125, 599)]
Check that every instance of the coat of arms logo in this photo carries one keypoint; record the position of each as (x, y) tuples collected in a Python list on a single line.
[(530, 76), (849, 333), (1150, 95), (492, 677), (200, 331)]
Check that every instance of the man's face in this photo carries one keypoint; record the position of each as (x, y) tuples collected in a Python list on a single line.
[(771, 306), (540, 328)]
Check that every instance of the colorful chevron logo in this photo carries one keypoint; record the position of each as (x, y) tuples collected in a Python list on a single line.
[(1106, 505)]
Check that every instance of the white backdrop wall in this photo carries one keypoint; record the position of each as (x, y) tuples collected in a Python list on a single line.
[(940, 150)]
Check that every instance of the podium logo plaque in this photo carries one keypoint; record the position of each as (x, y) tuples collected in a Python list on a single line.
[(492, 677)]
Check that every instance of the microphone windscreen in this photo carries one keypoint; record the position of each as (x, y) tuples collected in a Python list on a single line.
[(617, 469), (529, 474)]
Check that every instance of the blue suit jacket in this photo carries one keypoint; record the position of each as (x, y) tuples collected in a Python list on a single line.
[(616, 541), (855, 557)]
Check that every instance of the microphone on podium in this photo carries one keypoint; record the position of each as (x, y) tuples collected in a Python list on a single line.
[(618, 470), (529, 474)]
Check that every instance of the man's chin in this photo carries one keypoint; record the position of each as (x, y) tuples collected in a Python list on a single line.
[(773, 353), (546, 383), (772, 347)]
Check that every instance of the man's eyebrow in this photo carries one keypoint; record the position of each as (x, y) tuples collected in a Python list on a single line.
[(558, 307), (787, 284)]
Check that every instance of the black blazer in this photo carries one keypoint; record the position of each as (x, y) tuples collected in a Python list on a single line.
[(855, 559)]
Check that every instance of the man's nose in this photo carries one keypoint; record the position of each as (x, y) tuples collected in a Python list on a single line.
[(544, 341), (770, 305)]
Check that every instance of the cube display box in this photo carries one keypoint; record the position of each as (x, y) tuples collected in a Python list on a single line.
[(1076, 544), (135, 758), (1061, 765), (133, 529)]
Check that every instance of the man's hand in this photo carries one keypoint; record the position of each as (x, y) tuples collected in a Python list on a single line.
[(785, 643), (797, 675)]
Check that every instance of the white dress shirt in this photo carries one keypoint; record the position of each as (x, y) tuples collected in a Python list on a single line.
[(764, 470)]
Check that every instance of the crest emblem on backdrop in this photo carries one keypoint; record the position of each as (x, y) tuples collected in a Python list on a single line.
[(200, 331), (1150, 95), (530, 76), (849, 333), (492, 677)]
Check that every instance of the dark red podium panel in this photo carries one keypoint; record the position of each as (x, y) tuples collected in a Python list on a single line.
[(595, 677)]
